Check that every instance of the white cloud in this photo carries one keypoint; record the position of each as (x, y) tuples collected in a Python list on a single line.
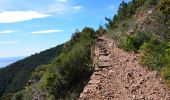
[(43, 6), (62, 7), (19, 16), (7, 31), (9, 42), (77, 7), (56, 8), (47, 31)]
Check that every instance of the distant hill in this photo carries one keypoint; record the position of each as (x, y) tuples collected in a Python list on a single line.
[(68, 65), (15, 76)]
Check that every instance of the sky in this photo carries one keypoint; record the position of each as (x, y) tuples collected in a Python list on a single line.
[(31, 26)]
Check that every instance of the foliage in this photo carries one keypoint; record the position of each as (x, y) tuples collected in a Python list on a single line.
[(39, 72), (128, 43), (72, 68), (15, 76), (166, 70), (153, 47), (17, 96), (153, 54), (65, 69), (125, 11), (152, 2), (50, 79), (134, 42), (164, 6)]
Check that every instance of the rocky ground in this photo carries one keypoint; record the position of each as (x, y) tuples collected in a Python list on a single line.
[(119, 76)]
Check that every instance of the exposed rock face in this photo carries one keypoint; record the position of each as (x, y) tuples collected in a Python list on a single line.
[(119, 76), (151, 21)]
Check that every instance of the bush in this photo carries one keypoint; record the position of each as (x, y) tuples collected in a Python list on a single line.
[(69, 72), (18, 96), (8, 96), (128, 43), (153, 2), (166, 70), (153, 54), (39, 72), (134, 42), (166, 74), (49, 81), (164, 6)]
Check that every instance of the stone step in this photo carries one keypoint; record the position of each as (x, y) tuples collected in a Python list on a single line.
[(104, 64), (94, 81), (95, 77), (96, 69), (104, 54), (103, 58)]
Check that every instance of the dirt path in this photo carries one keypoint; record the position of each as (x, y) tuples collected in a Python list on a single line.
[(119, 76)]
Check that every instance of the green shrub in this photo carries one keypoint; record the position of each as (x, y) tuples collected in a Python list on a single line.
[(8, 96), (166, 70), (49, 81), (153, 54), (39, 72), (153, 2), (164, 6), (166, 74), (18, 96), (128, 43), (140, 38), (134, 42), (69, 72)]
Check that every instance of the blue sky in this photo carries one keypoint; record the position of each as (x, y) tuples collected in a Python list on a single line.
[(30, 26)]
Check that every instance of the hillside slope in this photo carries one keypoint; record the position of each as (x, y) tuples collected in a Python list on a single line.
[(15, 76), (140, 28), (65, 75), (119, 76)]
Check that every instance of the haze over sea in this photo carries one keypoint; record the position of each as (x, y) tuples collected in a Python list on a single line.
[(8, 60)]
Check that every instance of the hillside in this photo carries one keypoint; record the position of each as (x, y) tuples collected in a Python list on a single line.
[(118, 75), (15, 76), (128, 59), (52, 70)]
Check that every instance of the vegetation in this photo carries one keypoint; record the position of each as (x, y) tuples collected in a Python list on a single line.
[(14, 77), (63, 71), (135, 41), (154, 53), (166, 69), (153, 43), (65, 75), (72, 69), (164, 6)]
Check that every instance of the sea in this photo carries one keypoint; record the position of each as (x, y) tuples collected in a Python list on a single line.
[(4, 61)]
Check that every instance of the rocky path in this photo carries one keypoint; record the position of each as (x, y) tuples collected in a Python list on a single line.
[(119, 76)]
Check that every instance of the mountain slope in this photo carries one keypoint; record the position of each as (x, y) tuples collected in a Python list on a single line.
[(15, 76), (65, 76), (119, 75), (140, 26)]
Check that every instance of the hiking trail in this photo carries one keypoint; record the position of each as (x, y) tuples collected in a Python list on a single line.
[(118, 75)]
